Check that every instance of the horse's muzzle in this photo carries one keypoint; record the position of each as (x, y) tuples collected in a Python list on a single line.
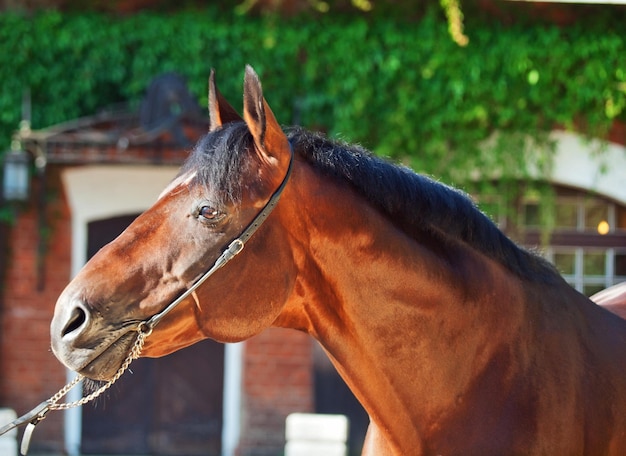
[(85, 343)]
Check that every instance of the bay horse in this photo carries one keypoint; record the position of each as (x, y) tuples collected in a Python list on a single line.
[(455, 340)]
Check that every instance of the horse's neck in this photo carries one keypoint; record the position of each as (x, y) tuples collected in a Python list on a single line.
[(406, 329)]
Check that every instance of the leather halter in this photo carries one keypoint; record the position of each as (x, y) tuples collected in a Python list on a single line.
[(234, 248)]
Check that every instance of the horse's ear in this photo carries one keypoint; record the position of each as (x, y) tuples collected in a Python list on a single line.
[(269, 139), (220, 111)]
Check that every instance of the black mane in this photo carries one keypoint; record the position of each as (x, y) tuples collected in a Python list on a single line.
[(417, 204)]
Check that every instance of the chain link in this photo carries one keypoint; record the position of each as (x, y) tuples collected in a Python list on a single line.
[(132, 355)]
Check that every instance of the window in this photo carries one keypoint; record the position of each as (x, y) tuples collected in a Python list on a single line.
[(532, 215), (582, 214), (565, 261), (620, 264), (620, 218), (589, 270), (596, 215), (566, 215), (588, 240)]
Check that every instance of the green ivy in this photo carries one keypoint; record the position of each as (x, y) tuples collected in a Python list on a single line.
[(399, 86)]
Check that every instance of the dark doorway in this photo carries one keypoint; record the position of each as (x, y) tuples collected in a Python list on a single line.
[(167, 406), (332, 395)]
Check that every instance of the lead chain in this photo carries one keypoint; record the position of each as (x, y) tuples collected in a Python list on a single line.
[(132, 355), (36, 415)]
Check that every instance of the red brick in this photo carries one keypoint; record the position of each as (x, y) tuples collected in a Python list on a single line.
[(277, 382), (29, 371)]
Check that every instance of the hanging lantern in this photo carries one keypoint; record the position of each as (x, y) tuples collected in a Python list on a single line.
[(16, 182)]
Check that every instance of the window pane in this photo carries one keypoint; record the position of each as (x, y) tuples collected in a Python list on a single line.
[(565, 263), (531, 214), (620, 264), (594, 264), (620, 215), (595, 212), (592, 288), (566, 214)]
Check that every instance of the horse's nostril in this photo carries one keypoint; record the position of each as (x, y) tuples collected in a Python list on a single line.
[(77, 319)]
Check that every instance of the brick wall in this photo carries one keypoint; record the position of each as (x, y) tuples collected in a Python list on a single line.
[(29, 372), (277, 380)]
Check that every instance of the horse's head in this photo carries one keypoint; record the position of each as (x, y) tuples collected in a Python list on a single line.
[(227, 180)]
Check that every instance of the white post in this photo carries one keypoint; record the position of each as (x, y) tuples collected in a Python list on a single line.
[(310, 434), (8, 441), (73, 418), (231, 415)]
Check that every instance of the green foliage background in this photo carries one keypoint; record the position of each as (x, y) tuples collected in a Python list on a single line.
[(399, 86)]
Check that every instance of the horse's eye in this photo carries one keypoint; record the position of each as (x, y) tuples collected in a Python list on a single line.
[(209, 214)]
